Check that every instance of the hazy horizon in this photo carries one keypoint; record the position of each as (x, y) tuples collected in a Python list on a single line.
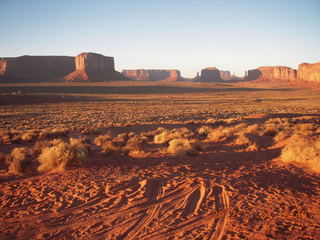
[(183, 35)]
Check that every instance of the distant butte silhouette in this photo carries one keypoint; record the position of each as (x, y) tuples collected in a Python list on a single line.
[(94, 67)]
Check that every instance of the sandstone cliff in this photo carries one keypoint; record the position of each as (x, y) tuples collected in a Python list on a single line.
[(35, 68), (272, 73), (92, 67), (153, 75), (309, 72), (210, 74), (225, 75)]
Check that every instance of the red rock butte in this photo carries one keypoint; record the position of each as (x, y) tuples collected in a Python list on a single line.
[(84, 67), (153, 74)]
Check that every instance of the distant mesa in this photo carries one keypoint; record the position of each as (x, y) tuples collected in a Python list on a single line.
[(35, 68), (92, 67), (209, 74), (306, 72), (84, 67), (272, 73), (309, 72), (152, 75)]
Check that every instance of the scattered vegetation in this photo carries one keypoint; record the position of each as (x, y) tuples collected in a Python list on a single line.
[(303, 150), (19, 161), (61, 155)]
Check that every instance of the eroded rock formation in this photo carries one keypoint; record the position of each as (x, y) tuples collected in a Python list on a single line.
[(35, 68), (153, 75), (210, 74), (309, 72), (92, 67), (272, 73), (225, 75)]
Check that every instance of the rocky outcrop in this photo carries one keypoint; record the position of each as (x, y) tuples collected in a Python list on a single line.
[(210, 74), (153, 75), (35, 68), (272, 73), (92, 67), (225, 75), (309, 72)]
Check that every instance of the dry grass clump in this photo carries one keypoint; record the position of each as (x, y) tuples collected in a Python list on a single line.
[(220, 134), (303, 150), (19, 161), (61, 155), (204, 130), (168, 135), (101, 139), (283, 134), (54, 133), (181, 147)]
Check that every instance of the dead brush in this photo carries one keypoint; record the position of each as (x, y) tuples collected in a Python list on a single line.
[(61, 155), (168, 135), (53, 133), (303, 150), (181, 146), (19, 161), (220, 134)]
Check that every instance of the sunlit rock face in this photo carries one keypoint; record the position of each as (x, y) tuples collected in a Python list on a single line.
[(309, 72), (225, 75), (36, 68), (153, 75), (92, 67), (272, 73), (210, 74)]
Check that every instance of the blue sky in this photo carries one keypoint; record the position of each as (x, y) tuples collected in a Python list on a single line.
[(185, 35)]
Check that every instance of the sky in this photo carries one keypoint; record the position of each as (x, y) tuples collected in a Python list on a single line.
[(166, 34)]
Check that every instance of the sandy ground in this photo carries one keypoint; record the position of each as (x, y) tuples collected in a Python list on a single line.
[(225, 192)]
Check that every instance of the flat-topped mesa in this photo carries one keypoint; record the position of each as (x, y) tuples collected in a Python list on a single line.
[(209, 74), (35, 68), (92, 67), (153, 75), (309, 72), (272, 73)]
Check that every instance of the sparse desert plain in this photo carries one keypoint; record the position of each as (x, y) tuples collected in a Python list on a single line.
[(155, 160)]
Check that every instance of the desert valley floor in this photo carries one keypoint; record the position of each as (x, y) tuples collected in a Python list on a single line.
[(154, 160)]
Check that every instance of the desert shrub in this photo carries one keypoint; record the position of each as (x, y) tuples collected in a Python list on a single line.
[(121, 139), (29, 136), (283, 134), (303, 150), (220, 134), (204, 130), (108, 147), (242, 139), (305, 127), (101, 139), (6, 136), (168, 135), (181, 147), (19, 160), (53, 133), (61, 155), (254, 129)]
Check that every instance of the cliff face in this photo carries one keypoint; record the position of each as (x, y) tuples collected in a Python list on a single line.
[(225, 75), (36, 68), (153, 75), (92, 67), (309, 72), (211, 74), (272, 73)]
